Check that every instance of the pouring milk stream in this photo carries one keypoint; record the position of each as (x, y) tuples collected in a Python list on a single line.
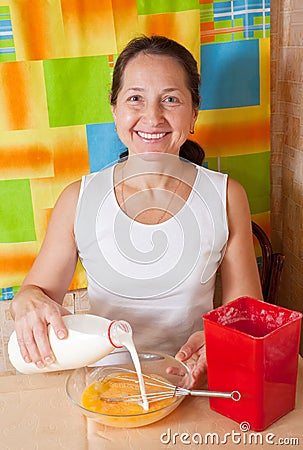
[(89, 339)]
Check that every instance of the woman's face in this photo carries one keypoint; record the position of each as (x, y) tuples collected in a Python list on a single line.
[(154, 111)]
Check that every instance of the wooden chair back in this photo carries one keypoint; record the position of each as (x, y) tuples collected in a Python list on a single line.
[(270, 266)]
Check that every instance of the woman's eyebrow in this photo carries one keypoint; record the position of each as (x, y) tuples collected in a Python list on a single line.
[(134, 89), (139, 89), (171, 89)]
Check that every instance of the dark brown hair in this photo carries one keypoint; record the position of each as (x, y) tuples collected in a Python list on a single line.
[(160, 45)]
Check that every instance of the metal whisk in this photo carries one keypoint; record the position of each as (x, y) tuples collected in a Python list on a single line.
[(157, 388)]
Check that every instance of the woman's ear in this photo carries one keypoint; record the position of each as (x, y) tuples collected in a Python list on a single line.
[(113, 108), (194, 118)]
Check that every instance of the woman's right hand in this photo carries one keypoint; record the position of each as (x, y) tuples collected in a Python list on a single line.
[(32, 311)]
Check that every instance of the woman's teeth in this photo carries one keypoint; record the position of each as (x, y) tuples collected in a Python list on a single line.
[(151, 135)]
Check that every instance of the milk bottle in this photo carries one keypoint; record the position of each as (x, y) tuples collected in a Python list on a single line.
[(89, 339)]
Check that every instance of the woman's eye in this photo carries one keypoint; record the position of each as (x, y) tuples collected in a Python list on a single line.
[(134, 98), (171, 100)]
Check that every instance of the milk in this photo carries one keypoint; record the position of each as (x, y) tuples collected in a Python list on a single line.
[(127, 341)]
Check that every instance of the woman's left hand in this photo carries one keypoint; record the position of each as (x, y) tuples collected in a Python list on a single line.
[(193, 354)]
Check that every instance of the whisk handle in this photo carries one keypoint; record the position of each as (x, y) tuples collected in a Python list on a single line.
[(234, 395)]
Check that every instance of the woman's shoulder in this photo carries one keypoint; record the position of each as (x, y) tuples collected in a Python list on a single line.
[(233, 186), (65, 207), (237, 200), (70, 191), (68, 199), (235, 190)]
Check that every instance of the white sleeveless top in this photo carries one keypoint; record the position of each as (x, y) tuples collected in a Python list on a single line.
[(160, 278)]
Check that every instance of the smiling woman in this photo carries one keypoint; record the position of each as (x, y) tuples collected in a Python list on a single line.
[(155, 105), (160, 57), (152, 230)]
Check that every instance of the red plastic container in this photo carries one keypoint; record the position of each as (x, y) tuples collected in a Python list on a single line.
[(252, 347)]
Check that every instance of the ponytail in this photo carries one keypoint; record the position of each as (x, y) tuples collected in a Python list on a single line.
[(192, 151)]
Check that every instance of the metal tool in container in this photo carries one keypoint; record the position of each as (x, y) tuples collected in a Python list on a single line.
[(157, 388)]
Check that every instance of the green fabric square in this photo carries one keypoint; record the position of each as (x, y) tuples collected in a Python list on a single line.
[(223, 24), (165, 6), (211, 163), (4, 10), (16, 212), (6, 43), (238, 22), (228, 37), (78, 90), (207, 12), (7, 57)]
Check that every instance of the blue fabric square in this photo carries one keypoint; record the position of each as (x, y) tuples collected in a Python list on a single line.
[(222, 7), (230, 74), (243, 5), (104, 145)]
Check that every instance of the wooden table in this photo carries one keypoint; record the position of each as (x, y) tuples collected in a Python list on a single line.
[(35, 414)]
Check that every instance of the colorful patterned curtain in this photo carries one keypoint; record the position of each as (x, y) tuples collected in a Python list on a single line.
[(56, 62)]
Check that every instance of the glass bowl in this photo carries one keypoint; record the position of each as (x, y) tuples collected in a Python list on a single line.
[(157, 364)]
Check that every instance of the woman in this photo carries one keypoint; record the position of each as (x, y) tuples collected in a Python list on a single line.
[(152, 230)]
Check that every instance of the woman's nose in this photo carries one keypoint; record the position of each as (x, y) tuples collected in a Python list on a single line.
[(153, 113)]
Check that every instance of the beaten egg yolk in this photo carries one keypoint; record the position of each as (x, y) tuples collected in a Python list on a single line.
[(122, 386)]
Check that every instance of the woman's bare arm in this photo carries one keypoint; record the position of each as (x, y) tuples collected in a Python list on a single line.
[(38, 303), (239, 270)]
